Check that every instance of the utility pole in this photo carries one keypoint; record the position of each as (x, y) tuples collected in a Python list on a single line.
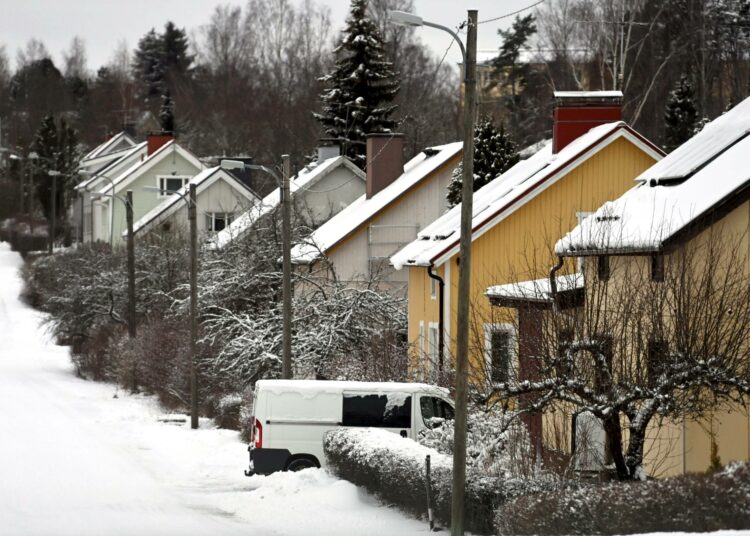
[(286, 246), (131, 262), (464, 281), (192, 209), (53, 201)]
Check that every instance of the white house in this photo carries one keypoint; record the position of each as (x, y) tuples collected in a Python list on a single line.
[(105, 153), (220, 197), (167, 166)]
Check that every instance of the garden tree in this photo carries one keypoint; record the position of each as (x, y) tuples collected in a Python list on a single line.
[(641, 350), (176, 59), (361, 87), (681, 115), (148, 65), (494, 153), (166, 113)]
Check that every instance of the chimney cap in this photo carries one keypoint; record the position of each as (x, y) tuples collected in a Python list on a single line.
[(568, 97), (385, 135)]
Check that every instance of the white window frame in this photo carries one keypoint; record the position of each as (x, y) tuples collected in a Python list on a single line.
[(510, 329), (581, 261), (420, 344), (433, 288), (228, 219), (433, 347), (163, 188)]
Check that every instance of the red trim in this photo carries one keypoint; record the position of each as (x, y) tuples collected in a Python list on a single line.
[(545, 179)]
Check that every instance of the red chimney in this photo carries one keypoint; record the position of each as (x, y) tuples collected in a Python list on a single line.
[(577, 112), (385, 161), (155, 141)]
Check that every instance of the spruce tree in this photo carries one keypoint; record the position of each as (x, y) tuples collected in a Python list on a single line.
[(176, 61), (494, 153), (681, 116), (360, 88), (148, 64), (45, 147), (166, 113)]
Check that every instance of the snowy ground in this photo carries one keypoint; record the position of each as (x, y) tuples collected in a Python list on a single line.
[(82, 458)]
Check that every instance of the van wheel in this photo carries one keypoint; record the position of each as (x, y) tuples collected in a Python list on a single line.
[(297, 464)]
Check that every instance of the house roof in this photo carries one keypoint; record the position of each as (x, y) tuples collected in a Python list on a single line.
[(142, 166), (511, 190), (172, 203), (306, 178), (106, 147), (706, 173), (113, 167), (363, 209), (537, 290)]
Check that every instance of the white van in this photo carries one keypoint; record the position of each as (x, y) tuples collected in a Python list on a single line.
[(290, 417)]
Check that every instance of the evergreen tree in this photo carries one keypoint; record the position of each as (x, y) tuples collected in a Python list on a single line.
[(148, 64), (44, 156), (166, 113), (681, 116), (360, 88), (176, 60), (494, 153)]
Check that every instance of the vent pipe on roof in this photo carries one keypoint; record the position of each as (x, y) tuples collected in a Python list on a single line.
[(385, 161), (577, 112)]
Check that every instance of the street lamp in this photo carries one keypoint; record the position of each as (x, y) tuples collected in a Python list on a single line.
[(191, 206), (286, 247), (464, 269), (128, 202), (53, 202)]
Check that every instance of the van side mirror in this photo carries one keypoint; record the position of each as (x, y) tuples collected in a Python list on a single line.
[(403, 433)]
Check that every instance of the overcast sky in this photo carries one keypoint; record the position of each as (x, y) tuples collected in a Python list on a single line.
[(104, 23)]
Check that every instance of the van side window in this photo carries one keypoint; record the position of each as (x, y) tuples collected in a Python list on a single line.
[(432, 407), (380, 411)]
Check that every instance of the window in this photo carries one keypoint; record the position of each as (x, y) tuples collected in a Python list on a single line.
[(381, 411), (434, 408), (433, 342), (656, 354), (500, 352), (602, 267), (657, 267), (433, 289), (216, 221), (169, 183), (581, 261)]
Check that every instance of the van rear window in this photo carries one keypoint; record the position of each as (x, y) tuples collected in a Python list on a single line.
[(379, 411)]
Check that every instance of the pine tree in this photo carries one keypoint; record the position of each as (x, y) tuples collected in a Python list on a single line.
[(494, 153), (166, 113), (45, 147), (360, 88), (681, 117)]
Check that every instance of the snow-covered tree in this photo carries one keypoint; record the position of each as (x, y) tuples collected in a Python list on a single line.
[(494, 153), (166, 113), (681, 115), (361, 87)]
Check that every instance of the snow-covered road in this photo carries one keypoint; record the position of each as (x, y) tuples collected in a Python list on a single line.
[(78, 457)]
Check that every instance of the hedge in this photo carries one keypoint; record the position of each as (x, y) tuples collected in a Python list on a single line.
[(694, 503), (393, 469)]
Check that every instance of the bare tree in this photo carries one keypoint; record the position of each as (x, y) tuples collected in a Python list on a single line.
[(74, 59)]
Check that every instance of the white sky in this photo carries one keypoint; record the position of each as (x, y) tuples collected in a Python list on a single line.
[(104, 23)]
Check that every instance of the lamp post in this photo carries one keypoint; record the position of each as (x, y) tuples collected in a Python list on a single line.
[(128, 202), (286, 247), (22, 192), (53, 207), (464, 270), (190, 201)]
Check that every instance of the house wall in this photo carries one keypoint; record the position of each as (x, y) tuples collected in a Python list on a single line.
[(520, 247), (391, 229), (143, 201)]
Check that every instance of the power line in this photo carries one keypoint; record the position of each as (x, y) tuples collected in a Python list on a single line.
[(513, 13)]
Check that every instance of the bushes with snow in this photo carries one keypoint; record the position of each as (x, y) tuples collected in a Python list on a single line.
[(694, 503)]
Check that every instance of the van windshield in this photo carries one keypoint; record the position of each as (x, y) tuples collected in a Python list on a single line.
[(381, 411)]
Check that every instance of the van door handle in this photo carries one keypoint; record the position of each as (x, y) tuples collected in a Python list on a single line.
[(403, 433)]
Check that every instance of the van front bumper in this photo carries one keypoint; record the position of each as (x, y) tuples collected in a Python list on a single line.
[(267, 461)]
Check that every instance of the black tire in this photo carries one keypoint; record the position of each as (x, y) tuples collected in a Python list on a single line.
[(297, 464)]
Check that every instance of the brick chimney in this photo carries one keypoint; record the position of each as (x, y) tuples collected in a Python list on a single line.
[(156, 141), (577, 112), (385, 161)]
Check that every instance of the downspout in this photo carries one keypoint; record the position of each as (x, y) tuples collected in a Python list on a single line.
[(553, 281), (441, 314)]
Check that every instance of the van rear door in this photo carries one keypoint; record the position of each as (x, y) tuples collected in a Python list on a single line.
[(390, 411)]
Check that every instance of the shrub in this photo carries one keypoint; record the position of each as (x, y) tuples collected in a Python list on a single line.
[(693, 503), (229, 411), (393, 469)]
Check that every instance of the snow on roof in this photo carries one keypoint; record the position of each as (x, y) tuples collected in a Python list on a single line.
[(511, 189), (326, 386), (127, 154), (537, 289), (306, 178), (362, 209), (714, 138), (588, 94), (168, 206), (650, 213), (102, 148)]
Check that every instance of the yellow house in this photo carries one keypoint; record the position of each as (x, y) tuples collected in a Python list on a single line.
[(669, 270), (593, 157)]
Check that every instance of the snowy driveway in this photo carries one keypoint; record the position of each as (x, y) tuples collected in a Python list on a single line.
[(83, 458)]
